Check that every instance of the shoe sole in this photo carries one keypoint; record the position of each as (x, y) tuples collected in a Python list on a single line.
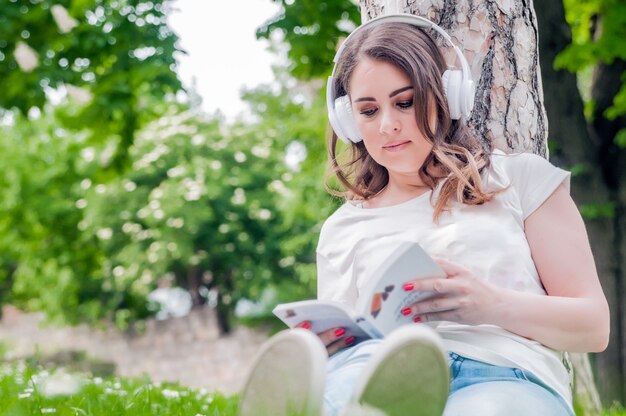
[(286, 377), (408, 375)]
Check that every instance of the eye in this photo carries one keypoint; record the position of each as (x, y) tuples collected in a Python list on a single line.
[(404, 104), (368, 112)]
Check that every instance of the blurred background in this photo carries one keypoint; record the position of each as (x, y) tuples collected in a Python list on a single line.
[(162, 167)]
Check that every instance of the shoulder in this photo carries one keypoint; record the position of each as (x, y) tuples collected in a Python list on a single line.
[(337, 221), (532, 177), (513, 163)]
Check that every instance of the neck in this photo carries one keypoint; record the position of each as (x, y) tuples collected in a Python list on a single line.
[(399, 189), (410, 185)]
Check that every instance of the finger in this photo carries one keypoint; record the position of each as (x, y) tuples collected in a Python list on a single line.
[(434, 305), (304, 325), (331, 335), (452, 316), (340, 344), (438, 285), (450, 268)]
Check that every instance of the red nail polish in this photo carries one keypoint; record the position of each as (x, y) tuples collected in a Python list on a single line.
[(406, 311), (409, 286), (306, 325), (417, 319), (349, 340), (339, 332)]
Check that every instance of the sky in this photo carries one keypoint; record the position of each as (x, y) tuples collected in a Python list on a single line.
[(223, 52)]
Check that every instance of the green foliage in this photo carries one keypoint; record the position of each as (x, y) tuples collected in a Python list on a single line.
[(312, 30), (29, 390), (120, 53), (308, 203), (597, 210), (44, 259), (198, 206), (197, 203), (598, 33)]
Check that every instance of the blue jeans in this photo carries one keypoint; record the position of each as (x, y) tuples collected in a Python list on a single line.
[(476, 388)]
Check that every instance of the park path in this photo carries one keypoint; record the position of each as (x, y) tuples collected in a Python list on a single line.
[(188, 350)]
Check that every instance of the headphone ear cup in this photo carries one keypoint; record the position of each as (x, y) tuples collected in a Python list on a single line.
[(468, 97), (452, 80), (345, 119)]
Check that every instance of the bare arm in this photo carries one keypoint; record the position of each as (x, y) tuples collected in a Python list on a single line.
[(575, 315)]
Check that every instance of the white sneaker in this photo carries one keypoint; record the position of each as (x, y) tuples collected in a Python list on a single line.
[(287, 377), (407, 375)]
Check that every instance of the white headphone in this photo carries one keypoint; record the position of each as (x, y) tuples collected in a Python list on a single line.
[(458, 85)]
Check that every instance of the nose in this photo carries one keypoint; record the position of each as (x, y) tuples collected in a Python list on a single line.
[(389, 123)]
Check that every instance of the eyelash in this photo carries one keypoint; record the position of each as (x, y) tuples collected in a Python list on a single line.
[(406, 104)]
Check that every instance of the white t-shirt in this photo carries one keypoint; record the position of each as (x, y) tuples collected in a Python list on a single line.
[(487, 239)]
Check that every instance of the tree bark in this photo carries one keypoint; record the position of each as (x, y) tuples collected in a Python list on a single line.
[(501, 43)]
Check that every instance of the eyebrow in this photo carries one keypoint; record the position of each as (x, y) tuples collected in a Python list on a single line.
[(393, 94)]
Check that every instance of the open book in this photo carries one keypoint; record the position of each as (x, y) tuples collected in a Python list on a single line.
[(378, 308)]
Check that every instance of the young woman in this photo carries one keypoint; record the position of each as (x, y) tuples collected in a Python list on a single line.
[(521, 286)]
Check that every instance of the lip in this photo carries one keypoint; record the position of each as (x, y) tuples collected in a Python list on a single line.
[(396, 145)]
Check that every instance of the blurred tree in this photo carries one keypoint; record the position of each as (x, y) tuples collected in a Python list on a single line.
[(311, 30), (198, 205), (593, 49), (115, 57), (225, 211), (46, 263)]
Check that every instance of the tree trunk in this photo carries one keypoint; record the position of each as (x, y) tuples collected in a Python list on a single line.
[(500, 41)]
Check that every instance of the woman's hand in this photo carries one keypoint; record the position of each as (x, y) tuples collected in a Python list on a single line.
[(334, 339), (460, 297)]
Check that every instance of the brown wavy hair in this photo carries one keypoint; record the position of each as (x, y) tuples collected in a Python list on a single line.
[(457, 157)]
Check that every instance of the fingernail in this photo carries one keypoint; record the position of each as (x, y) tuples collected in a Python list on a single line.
[(406, 311), (409, 286), (339, 332), (417, 319), (306, 325), (349, 340)]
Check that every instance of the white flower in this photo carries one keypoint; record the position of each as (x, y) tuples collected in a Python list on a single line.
[(240, 157), (130, 186), (78, 94), (64, 21), (58, 384), (105, 233), (264, 214), (239, 197), (88, 154), (26, 57), (170, 394)]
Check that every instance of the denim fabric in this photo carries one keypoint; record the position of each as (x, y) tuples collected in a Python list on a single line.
[(343, 371), (476, 388)]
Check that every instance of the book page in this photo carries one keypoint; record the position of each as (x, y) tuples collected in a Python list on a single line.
[(323, 315), (383, 300)]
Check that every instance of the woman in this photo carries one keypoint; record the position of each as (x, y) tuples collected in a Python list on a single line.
[(521, 285)]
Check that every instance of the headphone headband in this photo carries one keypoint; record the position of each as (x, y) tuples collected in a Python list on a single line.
[(465, 84)]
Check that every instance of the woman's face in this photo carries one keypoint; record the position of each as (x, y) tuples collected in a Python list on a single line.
[(382, 104)]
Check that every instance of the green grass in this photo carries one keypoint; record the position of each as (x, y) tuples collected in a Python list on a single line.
[(29, 389), (32, 390)]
